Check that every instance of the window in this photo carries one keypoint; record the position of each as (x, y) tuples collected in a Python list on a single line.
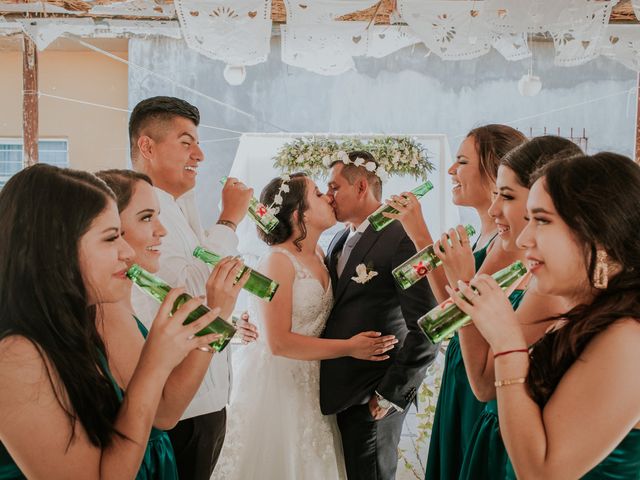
[(53, 152)]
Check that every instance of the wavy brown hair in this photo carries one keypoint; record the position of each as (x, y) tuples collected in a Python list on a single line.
[(597, 197), (492, 142), (295, 200)]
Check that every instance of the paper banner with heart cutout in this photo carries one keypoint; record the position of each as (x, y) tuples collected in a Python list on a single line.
[(237, 32)]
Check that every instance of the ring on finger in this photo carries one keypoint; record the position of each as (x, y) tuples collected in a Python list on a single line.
[(206, 349)]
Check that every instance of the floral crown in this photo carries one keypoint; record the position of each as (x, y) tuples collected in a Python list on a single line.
[(274, 208), (369, 166)]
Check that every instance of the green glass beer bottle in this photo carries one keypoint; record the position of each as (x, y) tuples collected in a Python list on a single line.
[(421, 264), (446, 318), (259, 213), (158, 289), (379, 221), (258, 284)]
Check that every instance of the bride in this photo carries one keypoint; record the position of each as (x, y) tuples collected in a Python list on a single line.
[(275, 428)]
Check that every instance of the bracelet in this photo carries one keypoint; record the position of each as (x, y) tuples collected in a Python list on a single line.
[(509, 381), (227, 223), (507, 352)]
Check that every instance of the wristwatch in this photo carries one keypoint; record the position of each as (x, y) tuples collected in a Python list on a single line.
[(383, 402)]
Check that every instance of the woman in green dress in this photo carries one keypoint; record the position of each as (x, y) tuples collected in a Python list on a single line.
[(61, 255), (124, 335), (569, 406), (473, 175), (486, 456)]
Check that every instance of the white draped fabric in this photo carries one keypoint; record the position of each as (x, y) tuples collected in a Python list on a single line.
[(253, 164)]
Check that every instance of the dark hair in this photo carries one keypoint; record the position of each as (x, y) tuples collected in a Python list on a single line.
[(157, 109), (529, 156), (492, 142), (44, 211), (597, 197), (295, 200), (353, 173), (122, 182)]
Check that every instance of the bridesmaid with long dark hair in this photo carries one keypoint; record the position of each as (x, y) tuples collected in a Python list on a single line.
[(569, 407), (473, 175), (62, 415)]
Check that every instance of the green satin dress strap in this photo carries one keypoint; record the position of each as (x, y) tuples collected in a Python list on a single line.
[(457, 409), (8, 468), (623, 463), (159, 461), (486, 456)]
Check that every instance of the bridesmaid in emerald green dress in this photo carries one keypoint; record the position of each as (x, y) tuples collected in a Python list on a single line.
[(486, 456), (569, 406), (61, 254), (473, 175)]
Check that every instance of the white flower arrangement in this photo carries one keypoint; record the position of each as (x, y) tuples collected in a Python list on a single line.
[(363, 275), (394, 156)]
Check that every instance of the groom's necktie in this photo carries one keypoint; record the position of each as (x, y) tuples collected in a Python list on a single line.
[(346, 251)]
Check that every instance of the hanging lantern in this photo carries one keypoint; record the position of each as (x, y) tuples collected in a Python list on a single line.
[(529, 85), (234, 74)]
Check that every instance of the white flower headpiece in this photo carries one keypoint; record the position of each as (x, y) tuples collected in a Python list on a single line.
[(369, 166), (274, 208)]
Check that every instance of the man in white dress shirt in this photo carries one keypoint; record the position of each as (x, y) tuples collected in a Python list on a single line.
[(164, 145)]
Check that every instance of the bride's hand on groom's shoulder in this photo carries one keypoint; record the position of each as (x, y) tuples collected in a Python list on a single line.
[(371, 346)]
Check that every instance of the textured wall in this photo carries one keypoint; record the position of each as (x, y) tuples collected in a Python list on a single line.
[(97, 136), (405, 92)]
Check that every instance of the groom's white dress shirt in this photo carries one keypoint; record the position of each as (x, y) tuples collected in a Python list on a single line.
[(178, 267)]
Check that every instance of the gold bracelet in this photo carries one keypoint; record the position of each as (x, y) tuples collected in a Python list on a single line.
[(509, 381)]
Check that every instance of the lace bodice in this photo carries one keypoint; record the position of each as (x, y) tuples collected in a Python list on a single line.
[(311, 304)]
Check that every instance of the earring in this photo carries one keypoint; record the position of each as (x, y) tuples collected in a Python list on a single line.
[(601, 272)]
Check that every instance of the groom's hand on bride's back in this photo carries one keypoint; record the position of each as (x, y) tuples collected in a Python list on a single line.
[(371, 346)]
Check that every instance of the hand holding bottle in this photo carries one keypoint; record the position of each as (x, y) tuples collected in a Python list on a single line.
[(371, 346), (491, 312), (169, 341), (454, 249), (235, 200), (222, 288), (410, 215)]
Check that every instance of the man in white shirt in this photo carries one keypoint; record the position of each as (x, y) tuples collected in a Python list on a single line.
[(164, 145)]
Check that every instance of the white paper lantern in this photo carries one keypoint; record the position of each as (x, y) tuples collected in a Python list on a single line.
[(234, 74), (529, 85)]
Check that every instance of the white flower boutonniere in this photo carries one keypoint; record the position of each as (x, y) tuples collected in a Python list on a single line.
[(363, 275)]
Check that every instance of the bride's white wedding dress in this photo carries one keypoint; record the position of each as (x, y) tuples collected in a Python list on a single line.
[(275, 430)]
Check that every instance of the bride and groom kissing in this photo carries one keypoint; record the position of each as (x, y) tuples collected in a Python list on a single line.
[(324, 391)]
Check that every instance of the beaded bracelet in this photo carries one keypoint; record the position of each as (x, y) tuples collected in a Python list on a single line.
[(509, 381), (228, 223)]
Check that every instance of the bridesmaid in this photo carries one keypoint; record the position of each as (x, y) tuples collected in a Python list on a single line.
[(124, 334), (473, 175), (486, 456), (61, 413), (569, 406)]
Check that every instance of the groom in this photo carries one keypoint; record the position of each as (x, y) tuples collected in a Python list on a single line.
[(371, 398)]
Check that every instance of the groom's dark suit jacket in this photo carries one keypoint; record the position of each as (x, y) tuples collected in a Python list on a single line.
[(380, 305)]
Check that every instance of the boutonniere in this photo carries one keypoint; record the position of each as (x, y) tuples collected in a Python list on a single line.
[(364, 274)]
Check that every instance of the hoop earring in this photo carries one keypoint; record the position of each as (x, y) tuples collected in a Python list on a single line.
[(601, 272)]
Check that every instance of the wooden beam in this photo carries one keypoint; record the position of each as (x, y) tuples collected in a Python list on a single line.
[(621, 13), (29, 101)]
